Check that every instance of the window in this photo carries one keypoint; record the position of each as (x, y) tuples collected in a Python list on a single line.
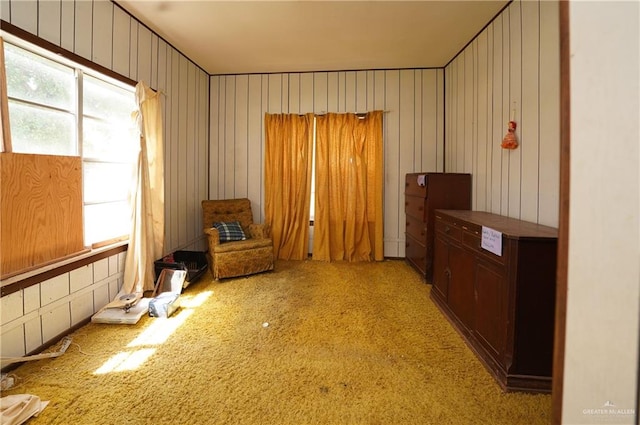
[(108, 153), (42, 103), (58, 108)]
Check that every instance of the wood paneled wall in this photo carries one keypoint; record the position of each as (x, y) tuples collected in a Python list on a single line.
[(510, 71), (103, 33), (413, 101)]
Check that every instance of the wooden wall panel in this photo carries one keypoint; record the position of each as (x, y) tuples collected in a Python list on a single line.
[(49, 28), (255, 136), (393, 181), (333, 81), (510, 71), (47, 224), (189, 147), (506, 111), (515, 90), (121, 38), (294, 93), (481, 118), (24, 14), (153, 82), (5, 11), (67, 25), (468, 141), (102, 39), (202, 172), (241, 135), (182, 160), (360, 91), (497, 123), (144, 55), (408, 147), (320, 85), (530, 122), (426, 114), (83, 30), (460, 123), (229, 131), (133, 50), (214, 135), (306, 95), (549, 124)]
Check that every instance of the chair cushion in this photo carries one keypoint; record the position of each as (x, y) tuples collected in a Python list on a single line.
[(248, 245), (230, 231)]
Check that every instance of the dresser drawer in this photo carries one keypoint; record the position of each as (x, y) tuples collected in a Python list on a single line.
[(471, 240), (449, 229), (415, 207), (416, 254), (417, 229), (413, 188)]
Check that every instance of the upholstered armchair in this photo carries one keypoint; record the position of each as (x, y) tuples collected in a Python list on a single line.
[(229, 254)]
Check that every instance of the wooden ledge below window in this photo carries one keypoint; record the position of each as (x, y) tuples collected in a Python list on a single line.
[(25, 278)]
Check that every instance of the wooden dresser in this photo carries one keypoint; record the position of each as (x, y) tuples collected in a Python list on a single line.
[(424, 192), (503, 305)]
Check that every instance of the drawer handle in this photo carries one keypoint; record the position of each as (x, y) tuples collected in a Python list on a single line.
[(447, 229)]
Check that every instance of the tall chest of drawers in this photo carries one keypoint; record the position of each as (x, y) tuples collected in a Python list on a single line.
[(424, 193)]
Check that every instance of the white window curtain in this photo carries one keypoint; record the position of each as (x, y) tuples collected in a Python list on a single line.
[(146, 239)]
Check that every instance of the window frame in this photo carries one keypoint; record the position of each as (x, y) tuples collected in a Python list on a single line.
[(80, 72)]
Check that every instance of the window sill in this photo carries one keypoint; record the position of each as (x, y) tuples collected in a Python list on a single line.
[(36, 275)]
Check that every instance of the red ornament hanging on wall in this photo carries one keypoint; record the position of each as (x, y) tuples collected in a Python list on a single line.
[(510, 141)]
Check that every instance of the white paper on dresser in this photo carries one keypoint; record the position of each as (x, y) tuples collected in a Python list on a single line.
[(492, 240)]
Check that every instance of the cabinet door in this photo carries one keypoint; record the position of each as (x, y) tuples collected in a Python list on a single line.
[(460, 291), (490, 309), (440, 267)]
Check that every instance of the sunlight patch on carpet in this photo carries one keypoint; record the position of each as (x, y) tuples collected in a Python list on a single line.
[(159, 331), (125, 361), (193, 302), (155, 334)]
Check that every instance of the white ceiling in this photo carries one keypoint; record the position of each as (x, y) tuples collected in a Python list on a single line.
[(240, 37)]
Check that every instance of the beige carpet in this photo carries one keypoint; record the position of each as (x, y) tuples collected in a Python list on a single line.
[(345, 344)]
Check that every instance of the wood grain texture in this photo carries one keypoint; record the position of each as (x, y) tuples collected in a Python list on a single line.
[(41, 209)]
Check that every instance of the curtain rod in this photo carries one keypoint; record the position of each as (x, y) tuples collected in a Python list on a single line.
[(355, 113)]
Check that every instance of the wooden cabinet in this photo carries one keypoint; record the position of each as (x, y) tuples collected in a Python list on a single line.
[(503, 305), (424, 192)]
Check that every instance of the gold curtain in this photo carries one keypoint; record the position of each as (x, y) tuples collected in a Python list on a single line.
[(288, 156), (349, 183)]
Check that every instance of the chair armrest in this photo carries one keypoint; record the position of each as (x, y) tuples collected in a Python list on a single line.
[(260, 231), (213, 237)]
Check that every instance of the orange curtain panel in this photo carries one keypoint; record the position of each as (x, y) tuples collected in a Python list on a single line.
[(349, 188), (288, 159)]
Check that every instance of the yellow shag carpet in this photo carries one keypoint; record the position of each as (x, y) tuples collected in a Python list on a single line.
[(309, 343)]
